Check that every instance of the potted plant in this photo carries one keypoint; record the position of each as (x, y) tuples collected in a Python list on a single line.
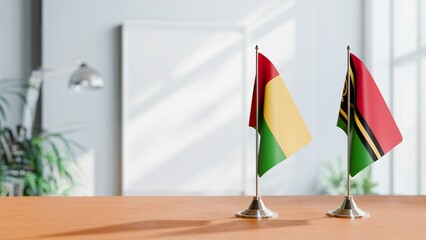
[(333, 180), (34, 164)]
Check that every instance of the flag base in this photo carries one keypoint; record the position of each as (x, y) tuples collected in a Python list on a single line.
[(257, 209), (349, 209)]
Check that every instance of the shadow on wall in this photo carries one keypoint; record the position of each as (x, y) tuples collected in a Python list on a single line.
[(187, 105)]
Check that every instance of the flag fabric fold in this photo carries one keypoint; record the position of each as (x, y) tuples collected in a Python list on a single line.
[(281, 127), (373, 130)]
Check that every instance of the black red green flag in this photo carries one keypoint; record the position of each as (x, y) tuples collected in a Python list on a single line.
[(373, 130)]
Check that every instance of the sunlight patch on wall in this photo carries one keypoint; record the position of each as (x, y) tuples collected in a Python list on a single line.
[(185, 111), (406, 117)]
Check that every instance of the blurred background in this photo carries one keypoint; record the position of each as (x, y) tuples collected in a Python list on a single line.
[(172, 117)]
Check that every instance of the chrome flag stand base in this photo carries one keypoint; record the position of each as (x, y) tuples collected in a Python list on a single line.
[(349, 209), (257, 209)]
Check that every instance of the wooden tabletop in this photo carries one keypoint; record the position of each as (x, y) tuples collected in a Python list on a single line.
[(301, 217)]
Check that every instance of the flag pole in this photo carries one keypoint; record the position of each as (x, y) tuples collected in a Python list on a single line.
[(348, 209), (257, 121), (257, 208), (348, 88)]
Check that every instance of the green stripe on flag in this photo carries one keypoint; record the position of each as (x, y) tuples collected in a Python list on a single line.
[(270, 153), (360, 158), (341, 124)]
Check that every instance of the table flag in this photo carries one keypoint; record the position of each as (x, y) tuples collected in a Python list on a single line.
[(281, 127), (373, 130)]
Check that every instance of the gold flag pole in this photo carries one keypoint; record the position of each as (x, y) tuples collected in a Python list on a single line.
[(348, 209), (257, 208)]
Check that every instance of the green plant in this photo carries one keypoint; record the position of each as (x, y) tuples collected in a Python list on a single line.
[(334, 178), (35, 166), (41, 164)]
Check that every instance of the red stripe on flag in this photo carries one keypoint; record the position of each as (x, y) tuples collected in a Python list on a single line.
[(267, 72), (373, 108)]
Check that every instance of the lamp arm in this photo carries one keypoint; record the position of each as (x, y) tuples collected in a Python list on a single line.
[(46, 72), (83, 76), (31, 100), (33, 93)]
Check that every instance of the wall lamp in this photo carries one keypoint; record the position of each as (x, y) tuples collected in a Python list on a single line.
[(82, 77)]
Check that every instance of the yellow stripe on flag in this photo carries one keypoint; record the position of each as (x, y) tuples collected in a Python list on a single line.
[(283, 118), (352, 76), (367, 137), (344, 114)]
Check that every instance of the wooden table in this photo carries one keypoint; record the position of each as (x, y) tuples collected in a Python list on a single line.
[(301, 217)]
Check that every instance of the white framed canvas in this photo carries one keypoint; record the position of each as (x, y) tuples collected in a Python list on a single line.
[(184, 109)]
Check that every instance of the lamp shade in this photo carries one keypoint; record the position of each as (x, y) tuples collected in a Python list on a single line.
[(86, 77)]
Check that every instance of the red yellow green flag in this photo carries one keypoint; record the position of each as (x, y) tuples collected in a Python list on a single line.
[(281, 127), (373, 130)]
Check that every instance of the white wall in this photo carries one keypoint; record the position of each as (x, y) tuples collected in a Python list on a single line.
[(15, 47), (305, 39), (378, 58), (340, 23), (396, 61)]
